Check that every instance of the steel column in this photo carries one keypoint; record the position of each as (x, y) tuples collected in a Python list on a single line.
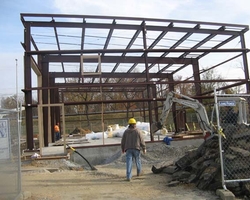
[(196, 72), (144, 32), (28, 85), (52, 109), (45, 83), (245, 63)]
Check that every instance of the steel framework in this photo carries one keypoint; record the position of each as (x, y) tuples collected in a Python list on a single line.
[(136, 54)]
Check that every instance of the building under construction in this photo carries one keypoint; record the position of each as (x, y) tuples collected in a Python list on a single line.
[(108, 54)]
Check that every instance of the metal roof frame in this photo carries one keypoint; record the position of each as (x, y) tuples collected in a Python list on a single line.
[(146, 51)]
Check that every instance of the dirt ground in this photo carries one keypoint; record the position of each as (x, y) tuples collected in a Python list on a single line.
[(108, 182), (63, 180)]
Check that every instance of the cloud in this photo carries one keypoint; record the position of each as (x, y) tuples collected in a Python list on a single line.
[(212, 10), (131, 8)]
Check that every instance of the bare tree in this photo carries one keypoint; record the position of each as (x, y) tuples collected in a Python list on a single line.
[(9, 102), (184, 88)]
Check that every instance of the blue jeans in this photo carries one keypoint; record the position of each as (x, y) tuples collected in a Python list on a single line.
[(130, 154), (57, 136)]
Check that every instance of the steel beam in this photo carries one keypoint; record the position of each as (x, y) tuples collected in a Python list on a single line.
[(94, 51), (127, 27), (120, 59), (26, 15)]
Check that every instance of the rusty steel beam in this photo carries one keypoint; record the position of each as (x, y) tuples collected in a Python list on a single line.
[(227, 87), (108, 75), (119, 59), (92, 51), (128, 27), (23, 15), (196, 70), (28, 94), (141, 84), (245, 63), (106, 90), (122, 101)]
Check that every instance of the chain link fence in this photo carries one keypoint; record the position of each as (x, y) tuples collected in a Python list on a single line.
[(234, 138), (10, 161)]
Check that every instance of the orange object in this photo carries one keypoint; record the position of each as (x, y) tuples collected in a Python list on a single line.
[(56, 128)]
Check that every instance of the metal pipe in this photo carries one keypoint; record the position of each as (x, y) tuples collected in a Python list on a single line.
[(18, 131), (220, 145)]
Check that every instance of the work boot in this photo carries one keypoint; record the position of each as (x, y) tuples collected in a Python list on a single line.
[(140, 174)]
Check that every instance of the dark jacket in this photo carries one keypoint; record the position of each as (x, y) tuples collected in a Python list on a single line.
[(132, 139)]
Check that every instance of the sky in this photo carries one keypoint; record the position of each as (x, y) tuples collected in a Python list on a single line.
[(11, 28)]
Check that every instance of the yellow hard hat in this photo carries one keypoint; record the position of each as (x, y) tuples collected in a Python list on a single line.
[(131, 121)]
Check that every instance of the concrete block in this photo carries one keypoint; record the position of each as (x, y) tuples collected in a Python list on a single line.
[(225, 194)]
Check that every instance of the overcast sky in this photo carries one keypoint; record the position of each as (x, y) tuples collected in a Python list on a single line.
[(11, 28)]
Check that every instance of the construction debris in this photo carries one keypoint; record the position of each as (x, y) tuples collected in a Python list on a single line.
[(202, 167)]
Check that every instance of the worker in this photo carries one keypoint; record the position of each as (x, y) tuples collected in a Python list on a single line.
[(57, 131), (132, 143), (231, 116)]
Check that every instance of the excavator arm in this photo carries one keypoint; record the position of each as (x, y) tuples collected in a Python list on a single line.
[(188, 102)]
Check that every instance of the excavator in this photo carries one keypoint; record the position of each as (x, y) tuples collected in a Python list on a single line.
[(201, 113)]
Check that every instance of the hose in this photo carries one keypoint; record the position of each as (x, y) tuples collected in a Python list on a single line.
[(92, 167)]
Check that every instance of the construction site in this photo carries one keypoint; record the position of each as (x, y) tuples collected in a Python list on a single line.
[(93, 73)]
